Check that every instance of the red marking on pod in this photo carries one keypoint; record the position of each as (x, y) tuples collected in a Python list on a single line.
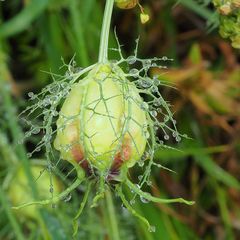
[(78, 156), (120, 158)]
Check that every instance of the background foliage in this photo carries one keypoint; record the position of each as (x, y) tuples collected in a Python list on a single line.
[(34, 37)]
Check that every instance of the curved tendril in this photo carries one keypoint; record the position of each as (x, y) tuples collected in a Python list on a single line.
[(82, 205), (62, 195), (100, 193), (151, 198), (130, 208)]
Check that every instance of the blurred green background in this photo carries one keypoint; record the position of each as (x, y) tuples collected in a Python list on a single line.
[(36, 34)]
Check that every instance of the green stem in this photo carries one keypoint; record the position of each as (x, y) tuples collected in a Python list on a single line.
[(103, 51), (112, 216), (151, 198), (83, 203)]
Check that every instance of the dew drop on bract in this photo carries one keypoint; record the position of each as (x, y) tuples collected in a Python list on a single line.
[(144, 106), (178, 138), (152, 229), (36, 130), (51, 189), (154, 113), (38, 149), (133, 71), (132, 202), (140, 177), (166, 118), (143, 200), (166, 137), (68, 198), (31, 95), (147, 63), (154, 89), (131, 59)]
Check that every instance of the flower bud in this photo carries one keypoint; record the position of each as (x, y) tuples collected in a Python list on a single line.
[(101, 124)]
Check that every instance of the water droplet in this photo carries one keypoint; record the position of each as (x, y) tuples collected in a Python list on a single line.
[(54, 89), (166, 137), (51, 189), (154, 65), (156, 82), (36, 130), (63, 85), (178, 138), (147, 135), (29, 155), (132, 202), (144, 106), (140, 164), (68, 198), (133, 71), (161, 142), (31, 95), (47, 138), (154, 89), (144, 200), (157, 102), (131, 59), (164, 58), (147, 63), (38, 149), (28, 134), (152, 229), (140, 177), (145, 83), (154, 113), (54, 113), (149, 183), (166, 118)]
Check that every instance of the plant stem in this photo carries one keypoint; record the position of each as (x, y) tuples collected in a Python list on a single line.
[(103, 50), (113, 225)]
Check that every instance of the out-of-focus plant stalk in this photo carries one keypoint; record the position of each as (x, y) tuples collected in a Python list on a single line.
[(103, 50)]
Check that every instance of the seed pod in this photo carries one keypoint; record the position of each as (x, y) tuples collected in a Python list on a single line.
[(101, 123), (19, 191), (126, 4)]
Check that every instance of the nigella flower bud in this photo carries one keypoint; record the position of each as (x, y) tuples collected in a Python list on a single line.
[(101, 124)]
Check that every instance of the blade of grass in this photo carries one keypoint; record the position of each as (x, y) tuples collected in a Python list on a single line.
[(16, 227), (78, 28), (224, 211), (23, 19)]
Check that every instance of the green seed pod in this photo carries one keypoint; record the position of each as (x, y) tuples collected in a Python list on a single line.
[(101, 123), (20, 193), (126, 4)]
